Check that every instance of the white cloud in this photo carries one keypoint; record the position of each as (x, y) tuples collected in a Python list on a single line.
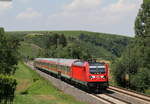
[(109, 13), (122, 6), (24, 1), (4, 6), (104, 18), (93, 15), (121, 11), (82, 4), (29, 14)]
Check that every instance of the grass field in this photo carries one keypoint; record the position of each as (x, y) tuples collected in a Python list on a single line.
[(30, 50), (32, 89)]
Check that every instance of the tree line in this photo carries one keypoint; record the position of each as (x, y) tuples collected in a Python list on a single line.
[(8, 64)]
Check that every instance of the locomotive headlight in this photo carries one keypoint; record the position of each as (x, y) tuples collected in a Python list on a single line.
[(103, 77), (91, 77)]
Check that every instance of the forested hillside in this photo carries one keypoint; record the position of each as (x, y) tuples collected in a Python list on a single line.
[(70, 44)]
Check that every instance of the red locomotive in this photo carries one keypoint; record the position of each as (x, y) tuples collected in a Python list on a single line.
[(93, 75)]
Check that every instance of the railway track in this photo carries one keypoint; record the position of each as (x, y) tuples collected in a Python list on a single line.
[(116, 95), (108, 99), (131, 96), (130, 92)]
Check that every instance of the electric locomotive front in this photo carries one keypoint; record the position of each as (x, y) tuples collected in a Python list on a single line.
[(97, 76)]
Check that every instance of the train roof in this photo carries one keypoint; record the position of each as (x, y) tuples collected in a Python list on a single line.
[(67, 62)]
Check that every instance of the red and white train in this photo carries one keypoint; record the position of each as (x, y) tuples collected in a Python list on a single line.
[(93, 75)]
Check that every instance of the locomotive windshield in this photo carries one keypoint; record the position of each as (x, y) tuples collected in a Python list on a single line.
[(97, 68)]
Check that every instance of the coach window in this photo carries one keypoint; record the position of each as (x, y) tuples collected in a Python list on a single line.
[(52, 66), (61, 67), (56, 66), (67, 69), (64, 68), (49, 65)]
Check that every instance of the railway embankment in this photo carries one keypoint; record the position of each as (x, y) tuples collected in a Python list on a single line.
[(33, 89)]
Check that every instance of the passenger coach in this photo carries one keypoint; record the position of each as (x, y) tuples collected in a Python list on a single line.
[(93, 75)]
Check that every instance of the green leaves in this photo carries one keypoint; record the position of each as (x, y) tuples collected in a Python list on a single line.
[(135, 61), (8, 62), (7, 89), (142, 23), (8, 54)]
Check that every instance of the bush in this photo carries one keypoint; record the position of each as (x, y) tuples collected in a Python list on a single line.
[(7, 89)]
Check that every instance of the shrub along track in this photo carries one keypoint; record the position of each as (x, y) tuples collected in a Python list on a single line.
[(113, 95)]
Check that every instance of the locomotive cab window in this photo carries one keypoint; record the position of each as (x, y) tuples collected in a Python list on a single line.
[(97, 68)]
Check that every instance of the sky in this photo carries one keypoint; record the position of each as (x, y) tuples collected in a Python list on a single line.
[(106, 16)]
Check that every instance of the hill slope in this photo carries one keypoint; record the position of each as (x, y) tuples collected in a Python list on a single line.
[(96, 45)]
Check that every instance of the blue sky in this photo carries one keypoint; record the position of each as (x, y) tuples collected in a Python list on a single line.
[(107, 16)]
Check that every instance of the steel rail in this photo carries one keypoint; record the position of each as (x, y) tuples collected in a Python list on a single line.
[(104, 99), (128, 92), (118, 99)]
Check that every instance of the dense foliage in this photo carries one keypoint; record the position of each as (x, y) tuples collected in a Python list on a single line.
[(8, 62), (133, 68), (71, 44), (8, 54), (7, 89)]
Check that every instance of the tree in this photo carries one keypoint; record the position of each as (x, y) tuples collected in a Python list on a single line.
[(142, 30), (142, 23), (135, 61), (8, 54), (63, 40), (8, 61)]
